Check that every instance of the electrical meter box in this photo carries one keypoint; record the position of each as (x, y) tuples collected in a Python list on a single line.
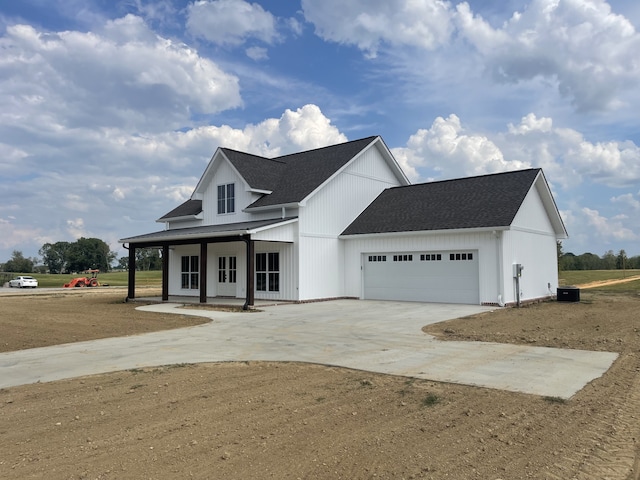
[(517, 270)]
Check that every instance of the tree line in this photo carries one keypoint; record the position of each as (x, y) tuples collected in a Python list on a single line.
[(591, 261), (83, 254)]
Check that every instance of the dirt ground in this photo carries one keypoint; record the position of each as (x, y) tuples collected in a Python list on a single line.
[(297, 421)]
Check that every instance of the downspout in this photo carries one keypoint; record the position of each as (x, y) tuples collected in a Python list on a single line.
[(500, 275)]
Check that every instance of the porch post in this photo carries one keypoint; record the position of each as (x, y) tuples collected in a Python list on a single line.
[(131, 292), (203, 272), (165, 273), (250, 273)]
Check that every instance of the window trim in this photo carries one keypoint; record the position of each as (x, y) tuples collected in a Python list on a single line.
[(226, 198), (191, 275), (267, 268)]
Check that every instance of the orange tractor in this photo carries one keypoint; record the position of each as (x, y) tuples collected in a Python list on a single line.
[(91, 281)]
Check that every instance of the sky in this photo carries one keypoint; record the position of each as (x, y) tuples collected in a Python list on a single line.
[(110, 110)]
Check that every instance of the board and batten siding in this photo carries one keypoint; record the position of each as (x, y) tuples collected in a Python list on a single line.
[(328, 212), (222, 175), (531, 241), (485, 243)]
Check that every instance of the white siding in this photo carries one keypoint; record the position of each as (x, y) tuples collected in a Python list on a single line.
[(328, 213), (320, 268), (532, 243), (285, 233), (288, 268), (222, 175), (532, 215)]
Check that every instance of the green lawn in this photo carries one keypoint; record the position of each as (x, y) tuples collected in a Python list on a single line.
[(577, 277), (580, 277), (114, 279)]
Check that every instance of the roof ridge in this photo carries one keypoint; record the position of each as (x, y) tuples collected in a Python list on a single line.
[(459, 179), (327, 146), (274, 159)]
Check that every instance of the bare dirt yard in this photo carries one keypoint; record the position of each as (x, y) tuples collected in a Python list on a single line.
[(290, 421)]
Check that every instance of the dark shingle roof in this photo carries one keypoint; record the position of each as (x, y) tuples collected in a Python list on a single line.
[(299, 174), (188, 208), (259, 172), (290, 178), (475, 202)]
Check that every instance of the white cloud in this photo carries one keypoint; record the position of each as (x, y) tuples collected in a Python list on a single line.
[(257, 53), (567, 156), (530, 123), (230, 22), (124, 76), (580, 47), (627, 199), (368, 24), (113, 183), (447, 149), (76, 228), (608, 228), (580, 44)]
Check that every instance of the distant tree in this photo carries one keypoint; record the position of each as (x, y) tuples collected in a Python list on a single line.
[(123, 263), (634, 262), (148, 259), (590, 261), (88, 253), (567, 262), (55, 256), (621, 260), (609, 261), (19, 264)]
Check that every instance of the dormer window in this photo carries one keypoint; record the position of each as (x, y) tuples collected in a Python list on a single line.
[(226, 198)]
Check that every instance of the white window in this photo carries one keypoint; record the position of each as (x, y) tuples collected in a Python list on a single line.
[(226, 198), (268, 272), (190, 268)]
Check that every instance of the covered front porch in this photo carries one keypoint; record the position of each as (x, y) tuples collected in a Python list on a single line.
[(198, 262)]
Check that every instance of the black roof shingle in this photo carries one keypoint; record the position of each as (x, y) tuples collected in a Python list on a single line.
[(188, 208), (475, 202)]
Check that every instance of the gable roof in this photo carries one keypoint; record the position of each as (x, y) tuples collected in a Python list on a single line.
[(488, 201), (260, 173), (282, 180), (188, 209), (301, 173)]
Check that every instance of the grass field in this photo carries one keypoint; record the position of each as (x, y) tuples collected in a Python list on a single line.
[(114, 279), (581, 277), (154, 279), (577, 277)]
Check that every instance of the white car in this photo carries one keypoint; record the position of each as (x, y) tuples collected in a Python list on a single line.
[(23, 282)]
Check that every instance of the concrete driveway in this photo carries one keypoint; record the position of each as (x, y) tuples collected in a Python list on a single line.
[(375, 336)]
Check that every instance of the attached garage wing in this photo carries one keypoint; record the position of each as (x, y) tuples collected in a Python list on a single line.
[(441, 277)]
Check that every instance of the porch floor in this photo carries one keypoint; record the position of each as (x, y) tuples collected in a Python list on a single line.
[(219, 301)]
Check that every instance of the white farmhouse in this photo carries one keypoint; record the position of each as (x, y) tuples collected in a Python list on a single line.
[(344, 221)]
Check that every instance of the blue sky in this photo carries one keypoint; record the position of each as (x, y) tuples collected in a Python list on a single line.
[(110, 110)]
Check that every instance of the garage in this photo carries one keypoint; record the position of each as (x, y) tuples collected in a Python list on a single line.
[(441, 276)]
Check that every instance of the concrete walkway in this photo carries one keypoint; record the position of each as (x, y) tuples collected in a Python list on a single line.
[(383, 337)]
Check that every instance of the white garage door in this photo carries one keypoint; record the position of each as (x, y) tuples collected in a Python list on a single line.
[(447, 277)]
